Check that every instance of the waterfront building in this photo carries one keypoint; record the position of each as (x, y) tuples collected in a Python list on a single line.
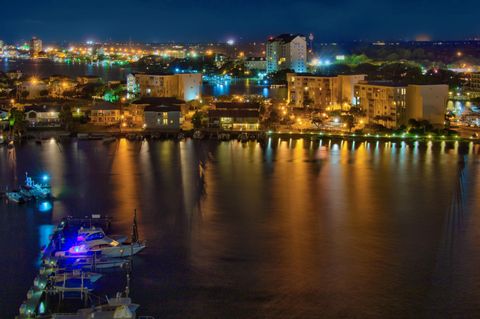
[(235, 116), (184, 86), (35, 46), (472, 84), (392, 104), (106, 114), (321, 93), (427, 102), (256, 63), (287, 52), (134, 113), (43, 115), (384, 103), (163, 117)]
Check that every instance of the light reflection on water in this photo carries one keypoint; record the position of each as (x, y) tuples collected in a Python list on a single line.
[(291, 229)]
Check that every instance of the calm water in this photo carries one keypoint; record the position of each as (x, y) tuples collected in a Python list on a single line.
[(291, 229), (45, 68)]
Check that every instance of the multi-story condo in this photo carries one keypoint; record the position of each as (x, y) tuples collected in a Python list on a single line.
[(472, 84), (392, 104), (185, 86), (287, 51), (321, 92), (383, 102), (35, 46)]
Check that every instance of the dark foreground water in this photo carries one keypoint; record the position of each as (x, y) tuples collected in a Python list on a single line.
[(291, 229)]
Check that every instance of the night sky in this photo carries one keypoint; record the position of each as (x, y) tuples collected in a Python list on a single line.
[(217, 20)]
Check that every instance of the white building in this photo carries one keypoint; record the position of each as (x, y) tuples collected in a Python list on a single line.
[(43, 115), (427, 102), (185, 86), (287, 51)]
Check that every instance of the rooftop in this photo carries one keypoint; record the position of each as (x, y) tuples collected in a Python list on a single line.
[(233, 113), (237, 106), (285, 37), (162, 108), (105, 107), (383, 83), (165, 101), (43, 108)]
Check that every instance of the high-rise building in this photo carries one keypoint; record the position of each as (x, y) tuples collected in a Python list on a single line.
[(35, 46), (287, 52), (185, 86), (322, 92)]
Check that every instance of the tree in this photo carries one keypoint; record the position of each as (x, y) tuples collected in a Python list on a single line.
[(273, 119), (66, 117), (17, 121), (197, 119), (24, 94), (43, 93)]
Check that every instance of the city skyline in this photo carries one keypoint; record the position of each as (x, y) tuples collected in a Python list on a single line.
[(214, 21)]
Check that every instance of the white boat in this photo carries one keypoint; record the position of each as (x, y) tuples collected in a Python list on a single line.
[(99, 263), (113, 249), (93, 236), (116, 308), (15, 197), (121, 250), (60, 275)]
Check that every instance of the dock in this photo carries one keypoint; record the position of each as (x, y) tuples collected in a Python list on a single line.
[(64, 285)]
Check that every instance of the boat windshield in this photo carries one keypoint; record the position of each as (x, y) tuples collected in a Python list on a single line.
[(95, 236)]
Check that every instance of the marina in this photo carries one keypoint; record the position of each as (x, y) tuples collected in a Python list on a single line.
[(68, 277)]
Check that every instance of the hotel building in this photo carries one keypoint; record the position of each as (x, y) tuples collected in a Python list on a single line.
[(287, 52)]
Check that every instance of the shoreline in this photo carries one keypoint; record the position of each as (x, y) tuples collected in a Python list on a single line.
[(234, 135)]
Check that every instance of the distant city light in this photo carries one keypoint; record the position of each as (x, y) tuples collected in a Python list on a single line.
[(230, 42)]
